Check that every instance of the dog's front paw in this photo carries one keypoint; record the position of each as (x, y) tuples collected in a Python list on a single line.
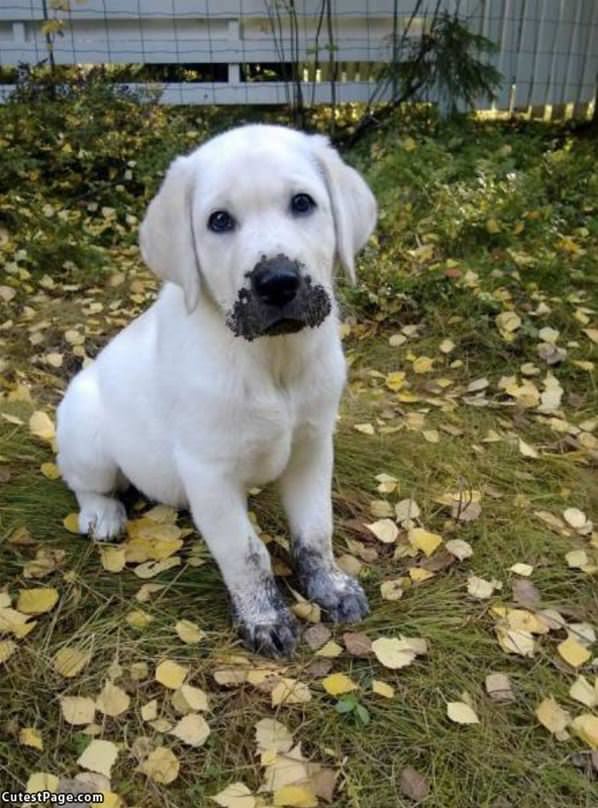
[(340, 595), (103, 518), (263, 621), (274, 639)]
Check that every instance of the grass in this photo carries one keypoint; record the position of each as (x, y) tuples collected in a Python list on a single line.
[(437, 186)]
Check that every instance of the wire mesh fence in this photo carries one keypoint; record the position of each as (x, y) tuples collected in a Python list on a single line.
[(315, 51)]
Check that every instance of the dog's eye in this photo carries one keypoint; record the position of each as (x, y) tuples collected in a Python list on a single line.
[(221, 222), (302, 203)]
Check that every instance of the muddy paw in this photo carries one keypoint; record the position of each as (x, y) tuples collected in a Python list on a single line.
[(275, 639), (263, 620), (340, 595)]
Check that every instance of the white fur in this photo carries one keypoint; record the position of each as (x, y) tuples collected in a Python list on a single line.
[(188, 412)]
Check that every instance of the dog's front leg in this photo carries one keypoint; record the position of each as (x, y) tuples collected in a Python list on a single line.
[(219, 508), (306, 494)]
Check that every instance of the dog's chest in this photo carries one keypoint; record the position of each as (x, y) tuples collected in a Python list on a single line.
[(264, 435)]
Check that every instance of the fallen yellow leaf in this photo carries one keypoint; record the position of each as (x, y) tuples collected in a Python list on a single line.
[(392, 653), (461, 713), (295, 797), (573, 652), (192, 729), (77, 710), (161, 766), (189, 699), (139, 619), (290, 691), (171, 674), (71, 522), (100, 757), (50, 471), (29, 736), (237, 795), (552, 716), (42, 781), (41, 426), (382, 689), (113, 700), (582, 691), (189, 632), (37, 601), (424, 540), (586, 727), (338, 683), (7, 649), (112, 557), (69, 662), (385, 530)]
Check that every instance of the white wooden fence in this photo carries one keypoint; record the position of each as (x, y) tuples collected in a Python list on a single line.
[(547, 49)]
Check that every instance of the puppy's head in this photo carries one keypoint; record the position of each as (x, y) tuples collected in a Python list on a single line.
[(255, 219)]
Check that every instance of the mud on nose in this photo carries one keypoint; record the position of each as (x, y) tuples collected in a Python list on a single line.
[(276, 281)]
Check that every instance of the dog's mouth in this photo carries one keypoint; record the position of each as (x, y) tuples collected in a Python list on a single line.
[(251, 317), (284, 325)]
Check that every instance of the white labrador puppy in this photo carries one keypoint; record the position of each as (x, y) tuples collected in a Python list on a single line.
[(233, 377)]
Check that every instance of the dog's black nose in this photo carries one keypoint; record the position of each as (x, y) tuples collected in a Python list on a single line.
[(276, 281)]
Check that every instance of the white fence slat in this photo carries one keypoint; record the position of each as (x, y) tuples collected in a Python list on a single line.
[(511, 55), (587, 83), (575, 62), (528, 44), (561, 51), (543, 57)]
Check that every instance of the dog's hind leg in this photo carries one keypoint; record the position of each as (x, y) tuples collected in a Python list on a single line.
[(84, 461)]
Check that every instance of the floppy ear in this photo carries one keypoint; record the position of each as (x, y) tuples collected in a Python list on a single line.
[(353, 204), (166, 237)]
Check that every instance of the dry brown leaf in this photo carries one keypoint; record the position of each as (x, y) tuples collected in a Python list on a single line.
[(498, 687), (357, 643), (413, 784), (317, 636)]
